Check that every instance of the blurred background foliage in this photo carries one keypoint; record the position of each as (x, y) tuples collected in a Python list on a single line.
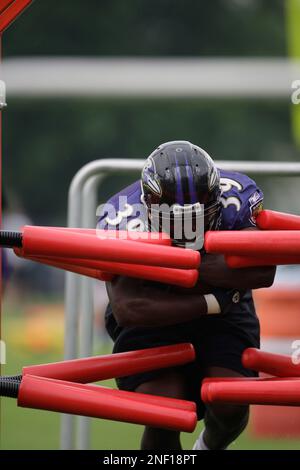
[(150, 28)]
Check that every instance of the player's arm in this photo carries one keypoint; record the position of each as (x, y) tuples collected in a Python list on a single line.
[(142, 304), (214, 271)]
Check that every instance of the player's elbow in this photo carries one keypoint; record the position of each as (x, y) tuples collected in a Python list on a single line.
[(129, 313), (121, 314)]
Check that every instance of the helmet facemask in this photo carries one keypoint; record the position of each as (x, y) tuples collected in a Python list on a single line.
[(184, 224), (187, 224)]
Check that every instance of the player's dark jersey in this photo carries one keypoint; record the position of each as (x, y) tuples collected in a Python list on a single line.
[(219, 340), (241, 200)]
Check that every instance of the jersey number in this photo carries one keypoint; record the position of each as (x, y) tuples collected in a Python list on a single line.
[(133, 224), (127, 212), (226, 185)]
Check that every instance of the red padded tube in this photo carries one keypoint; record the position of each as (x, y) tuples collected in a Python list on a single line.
[(273, 220), (46, 242), (92, 369), (65, 397)]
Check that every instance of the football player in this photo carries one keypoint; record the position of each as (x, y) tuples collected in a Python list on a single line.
[(217, 316)]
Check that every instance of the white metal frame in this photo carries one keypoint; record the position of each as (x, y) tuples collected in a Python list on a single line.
[(82, 204), (206, 77)]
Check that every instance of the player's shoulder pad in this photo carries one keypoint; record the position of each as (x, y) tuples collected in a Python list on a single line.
[(120, 209), (235, 183), (241, 194)]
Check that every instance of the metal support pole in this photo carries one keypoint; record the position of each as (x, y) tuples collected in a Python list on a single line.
[(86, 321), (72, 287)]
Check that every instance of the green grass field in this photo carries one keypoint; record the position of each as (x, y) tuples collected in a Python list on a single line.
[(34, 429)]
